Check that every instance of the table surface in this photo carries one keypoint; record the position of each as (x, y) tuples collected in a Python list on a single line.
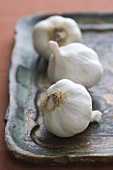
[(10, 12)]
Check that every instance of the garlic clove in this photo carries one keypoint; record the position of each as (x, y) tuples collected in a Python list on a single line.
[(57, 28), (76, 62), (67, 109)]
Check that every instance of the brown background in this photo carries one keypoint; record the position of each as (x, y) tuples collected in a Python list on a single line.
[(10, 12)]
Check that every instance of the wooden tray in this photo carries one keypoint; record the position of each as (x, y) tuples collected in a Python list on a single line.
[(25, 135)]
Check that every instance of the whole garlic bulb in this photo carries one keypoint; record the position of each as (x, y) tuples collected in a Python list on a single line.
[(67, 109), (57, 28), (75, 62)]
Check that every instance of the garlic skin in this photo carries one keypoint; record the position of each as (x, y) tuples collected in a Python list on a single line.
[(75, 62), (57, 28), (67, 109)]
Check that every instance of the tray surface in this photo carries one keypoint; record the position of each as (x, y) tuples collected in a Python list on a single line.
[(25, 135)]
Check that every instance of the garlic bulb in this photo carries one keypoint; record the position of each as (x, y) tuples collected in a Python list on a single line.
[(57, 28), (67, 109), (75, 62)]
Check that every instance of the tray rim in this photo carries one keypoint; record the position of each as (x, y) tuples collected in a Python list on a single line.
[(87, 27)]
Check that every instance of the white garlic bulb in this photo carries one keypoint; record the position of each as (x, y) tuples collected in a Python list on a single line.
[(75, 62), (57, 28), (67, 109)]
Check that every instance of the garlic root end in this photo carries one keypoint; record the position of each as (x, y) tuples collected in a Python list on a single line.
[(96, 116)]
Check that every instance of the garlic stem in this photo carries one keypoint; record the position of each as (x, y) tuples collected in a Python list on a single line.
[(54, 47), (96, 116)]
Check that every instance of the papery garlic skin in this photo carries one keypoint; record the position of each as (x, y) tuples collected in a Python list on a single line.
[(75, 62), (57, 28), (66, 108)]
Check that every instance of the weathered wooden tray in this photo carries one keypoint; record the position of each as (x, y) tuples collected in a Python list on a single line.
[(25, 135)]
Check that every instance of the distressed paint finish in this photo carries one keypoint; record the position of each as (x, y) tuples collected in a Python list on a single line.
[(25, 135)]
